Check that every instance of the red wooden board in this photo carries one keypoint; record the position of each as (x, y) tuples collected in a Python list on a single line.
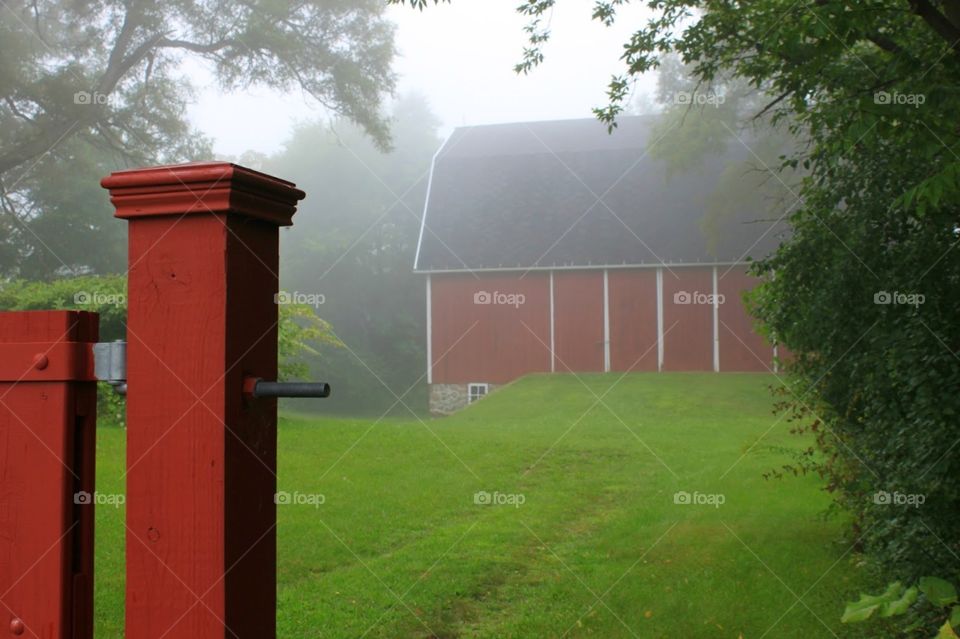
[(578, 311), (481, 334), (46, 458), (688, 327), (633, 319)]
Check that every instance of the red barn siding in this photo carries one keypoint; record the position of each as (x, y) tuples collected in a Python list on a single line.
[(633, 319), (578, 320), (688, 345), (499, 348), (507, 341), (741, 348)]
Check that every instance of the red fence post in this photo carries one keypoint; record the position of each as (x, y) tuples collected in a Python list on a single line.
[(48, 402), (201, 458)]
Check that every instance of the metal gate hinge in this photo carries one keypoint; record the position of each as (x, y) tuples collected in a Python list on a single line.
[(110, 364)]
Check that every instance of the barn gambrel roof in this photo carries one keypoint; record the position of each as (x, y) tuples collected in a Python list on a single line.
[(568, 194)]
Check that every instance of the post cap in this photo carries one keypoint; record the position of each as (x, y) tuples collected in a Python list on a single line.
[(202, 187)]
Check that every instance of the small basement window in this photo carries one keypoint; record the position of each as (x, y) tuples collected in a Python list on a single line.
[(476, 391)]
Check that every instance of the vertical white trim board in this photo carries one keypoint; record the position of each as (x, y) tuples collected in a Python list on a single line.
[(716, 324), (429, 332), (606, 321), (553, 342), (659, 318)]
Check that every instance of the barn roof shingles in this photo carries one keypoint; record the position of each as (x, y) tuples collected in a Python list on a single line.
[(567, 193)]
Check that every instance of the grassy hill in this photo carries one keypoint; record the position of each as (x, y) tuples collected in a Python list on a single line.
[(577, 531)]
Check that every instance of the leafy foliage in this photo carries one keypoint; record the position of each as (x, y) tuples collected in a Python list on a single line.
[(897, 600), (98, 85), (300, 334), (103, 294)]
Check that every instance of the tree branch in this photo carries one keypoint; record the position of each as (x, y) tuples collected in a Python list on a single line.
[(938, 22), (17, 112), (780, 98), (196, 47)]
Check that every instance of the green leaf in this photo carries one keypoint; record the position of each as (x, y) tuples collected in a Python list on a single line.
[(857, 612), (938, 591), (946, 632), (901, 605), (863, 609), (955, 617)]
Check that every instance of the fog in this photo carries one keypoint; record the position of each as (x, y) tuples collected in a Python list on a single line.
[(460, 57)]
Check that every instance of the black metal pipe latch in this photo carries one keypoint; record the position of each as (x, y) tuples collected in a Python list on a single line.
[(256, 387)]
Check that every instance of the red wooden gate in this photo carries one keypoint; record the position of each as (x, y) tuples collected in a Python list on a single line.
[(48, 405)]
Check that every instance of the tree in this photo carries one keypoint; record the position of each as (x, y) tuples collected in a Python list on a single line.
[(722, 127), (98, 83)]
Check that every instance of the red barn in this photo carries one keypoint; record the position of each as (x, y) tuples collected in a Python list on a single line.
[(555, 246)]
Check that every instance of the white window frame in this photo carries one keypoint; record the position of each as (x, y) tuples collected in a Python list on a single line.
[(472, 386)]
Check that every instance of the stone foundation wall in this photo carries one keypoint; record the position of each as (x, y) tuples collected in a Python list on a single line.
[(446, 399)]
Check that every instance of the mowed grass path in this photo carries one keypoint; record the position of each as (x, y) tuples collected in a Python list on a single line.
[(598, 548)]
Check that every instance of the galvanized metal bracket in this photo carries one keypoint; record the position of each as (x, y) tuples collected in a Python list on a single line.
[(110, 364)]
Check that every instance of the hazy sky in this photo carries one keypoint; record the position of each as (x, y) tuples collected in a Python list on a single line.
[(461, 57)]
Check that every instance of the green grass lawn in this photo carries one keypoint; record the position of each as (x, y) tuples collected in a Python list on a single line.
[(597, 547)]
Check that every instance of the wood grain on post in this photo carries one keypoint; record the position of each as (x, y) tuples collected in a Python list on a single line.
[(201, 458)]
